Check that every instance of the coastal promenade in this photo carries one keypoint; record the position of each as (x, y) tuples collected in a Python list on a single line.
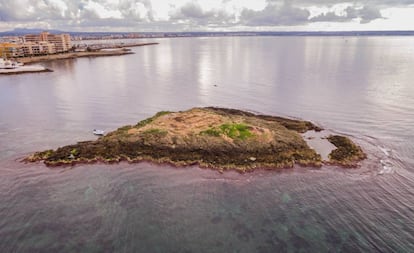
[(100, 46), (102, 50), (73, 55), (24, 69), (43, 58)]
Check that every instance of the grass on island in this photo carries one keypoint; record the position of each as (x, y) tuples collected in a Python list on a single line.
[(233, 131), (216, 138)]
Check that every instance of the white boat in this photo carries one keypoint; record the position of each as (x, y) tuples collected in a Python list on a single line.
[(9, 64), (98, 132)]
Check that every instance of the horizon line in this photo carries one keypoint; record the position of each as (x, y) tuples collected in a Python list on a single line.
[(195, 31)]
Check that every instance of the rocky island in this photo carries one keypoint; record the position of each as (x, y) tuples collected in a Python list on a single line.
[(216, 138)]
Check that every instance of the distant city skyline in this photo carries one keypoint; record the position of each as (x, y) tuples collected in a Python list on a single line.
[(207, 15)]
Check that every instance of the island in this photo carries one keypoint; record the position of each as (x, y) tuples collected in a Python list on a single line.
[(210, 137)]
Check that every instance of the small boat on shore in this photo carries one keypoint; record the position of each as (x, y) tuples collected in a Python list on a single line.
[(9, 64), (98, 132)]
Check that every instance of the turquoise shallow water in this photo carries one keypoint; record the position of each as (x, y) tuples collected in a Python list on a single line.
[(359, 86)]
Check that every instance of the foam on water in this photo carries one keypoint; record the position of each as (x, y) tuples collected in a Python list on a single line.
[(387, 167), (388, 162), (386, 151)]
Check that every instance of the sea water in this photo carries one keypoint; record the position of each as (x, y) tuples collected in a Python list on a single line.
[(357, 86)]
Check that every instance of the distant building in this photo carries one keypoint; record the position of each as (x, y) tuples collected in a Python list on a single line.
[(10, 50), (31, 38), (132, 35), (11, 39), (61, 42), (38, 48)]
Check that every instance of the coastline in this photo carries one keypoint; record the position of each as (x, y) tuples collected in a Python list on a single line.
[(116, 50), (25, 70), (44, 58), (122, 45), (103, 51)]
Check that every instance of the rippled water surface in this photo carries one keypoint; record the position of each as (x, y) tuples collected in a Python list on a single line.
[(358, 86)]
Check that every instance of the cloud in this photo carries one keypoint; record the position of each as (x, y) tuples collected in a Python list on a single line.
[(365, 14), (32, 10), (380, 3), (136, 9), (368, 13), (331, 17), (193, 13), (98, 10), (273, 15), (127, 15)]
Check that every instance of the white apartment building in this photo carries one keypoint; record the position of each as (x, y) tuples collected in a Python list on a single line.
[(39, 48), (61, 42)]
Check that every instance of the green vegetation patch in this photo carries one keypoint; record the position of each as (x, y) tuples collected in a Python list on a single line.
[(149, 120), (346, 152), (74, 152), (234, 131)]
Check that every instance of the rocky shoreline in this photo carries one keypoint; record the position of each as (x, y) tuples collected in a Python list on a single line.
[(216, 138)]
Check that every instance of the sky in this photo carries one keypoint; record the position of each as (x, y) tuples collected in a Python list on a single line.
[(207, 15)]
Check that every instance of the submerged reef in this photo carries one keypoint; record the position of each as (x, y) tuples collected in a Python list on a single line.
[(211, 137)]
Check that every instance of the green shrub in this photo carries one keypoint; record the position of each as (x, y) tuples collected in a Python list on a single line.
[(240, 131), (74, 152), (234, 131)]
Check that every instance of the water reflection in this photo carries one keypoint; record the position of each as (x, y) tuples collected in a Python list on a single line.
[(344, 83), (360, 86), (63, 65)]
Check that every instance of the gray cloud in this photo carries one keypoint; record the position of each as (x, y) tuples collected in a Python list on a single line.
[(139, 14), (107, 22), (369, 13), (39, 10), (192, 13), (129, 9), (273, 15), (380, 3), (331, 17), (366, 14)]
